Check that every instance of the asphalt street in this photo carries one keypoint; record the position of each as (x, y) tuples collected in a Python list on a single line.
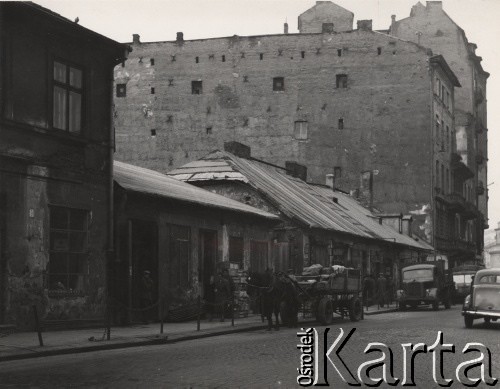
[(259, 359)]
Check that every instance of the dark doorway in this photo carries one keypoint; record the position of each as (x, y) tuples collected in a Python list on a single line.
[(143, 256), (281, 254), (258, 256), (3, 278), (207, 258)]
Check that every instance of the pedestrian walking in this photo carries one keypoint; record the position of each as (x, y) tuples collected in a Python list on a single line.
[(146, 295)]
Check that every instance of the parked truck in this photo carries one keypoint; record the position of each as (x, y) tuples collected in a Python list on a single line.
[(429, 283)]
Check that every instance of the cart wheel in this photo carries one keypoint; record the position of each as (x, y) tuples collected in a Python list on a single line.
[(355, 309), (324, 313)]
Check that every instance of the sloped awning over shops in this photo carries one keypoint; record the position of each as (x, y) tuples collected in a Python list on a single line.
[(296, 199), (146, 181)]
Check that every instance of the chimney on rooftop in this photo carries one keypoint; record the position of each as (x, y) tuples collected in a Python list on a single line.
[(365, 25), (180, 38), (330, 181), (296, 170), (238, 149), (286, 28), (406, 224), (136, 39), (393, 21), (434, 4)]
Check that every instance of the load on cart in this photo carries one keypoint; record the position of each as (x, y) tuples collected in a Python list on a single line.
[(328, 290)]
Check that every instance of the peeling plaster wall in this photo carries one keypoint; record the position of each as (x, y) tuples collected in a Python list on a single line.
[(42, 166)]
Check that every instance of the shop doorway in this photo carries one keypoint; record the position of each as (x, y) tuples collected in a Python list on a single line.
[(207, 258), (281, 255), (143, 255)]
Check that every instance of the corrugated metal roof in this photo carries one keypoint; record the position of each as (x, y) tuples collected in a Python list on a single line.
[(147, 181), (307, 203), (363, 215), (292, 196)]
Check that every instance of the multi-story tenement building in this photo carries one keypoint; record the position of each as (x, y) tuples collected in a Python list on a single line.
[(375, 110), (431, 26), (56, 145)]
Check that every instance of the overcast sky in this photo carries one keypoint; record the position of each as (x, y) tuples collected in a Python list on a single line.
[(159, 20)]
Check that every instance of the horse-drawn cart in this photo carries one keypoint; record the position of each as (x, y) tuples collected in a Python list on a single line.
[(338, 292)]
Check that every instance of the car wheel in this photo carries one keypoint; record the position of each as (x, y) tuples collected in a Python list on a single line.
[(487, 321), (468, 320)]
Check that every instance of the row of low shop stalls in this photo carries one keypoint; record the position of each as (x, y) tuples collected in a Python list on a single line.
[(230, 210)]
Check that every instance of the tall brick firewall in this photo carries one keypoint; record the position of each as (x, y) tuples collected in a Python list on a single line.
[(385, 107)]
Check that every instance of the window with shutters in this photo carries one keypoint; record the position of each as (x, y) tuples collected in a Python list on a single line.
[(180, 255)]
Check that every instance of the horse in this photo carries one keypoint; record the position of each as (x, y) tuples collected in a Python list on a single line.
[(276, 295)]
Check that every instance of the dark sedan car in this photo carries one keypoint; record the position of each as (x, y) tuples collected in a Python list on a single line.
[(484, 300)]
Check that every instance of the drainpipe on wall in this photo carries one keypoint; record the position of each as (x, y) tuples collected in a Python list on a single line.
[(432, 162)]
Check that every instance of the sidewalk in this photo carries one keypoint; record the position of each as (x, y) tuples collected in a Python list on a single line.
[(21, 345)]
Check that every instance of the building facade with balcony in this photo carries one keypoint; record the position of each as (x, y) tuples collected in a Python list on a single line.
[(430, 26), (56, 153), (374, 110)]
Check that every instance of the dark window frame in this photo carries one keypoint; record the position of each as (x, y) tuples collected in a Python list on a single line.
[(341, 81), (70, 243), (278, 84), (121, 90), (196, 87), (68, 89)]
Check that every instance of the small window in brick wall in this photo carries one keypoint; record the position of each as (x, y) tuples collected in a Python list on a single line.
[(337, 172), (341, 123), (341, 80), (223, 58), (152, 90), (339, 52), (152, 61), (300, 131), (121, 90), (327, 27), (278, 84), (379, 50), (196, 87)]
